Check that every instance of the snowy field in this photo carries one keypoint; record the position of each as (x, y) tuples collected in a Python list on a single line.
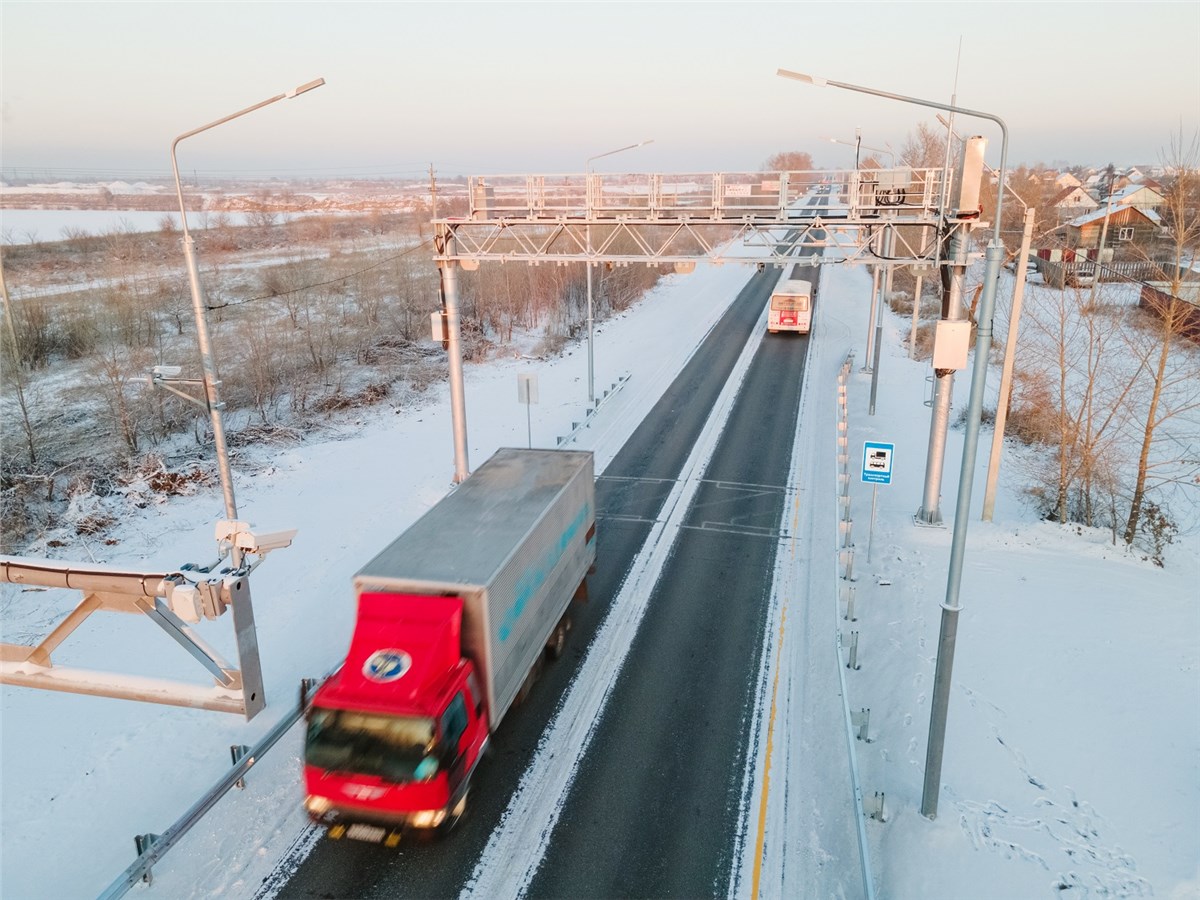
[(28, 226), (1072, 763)]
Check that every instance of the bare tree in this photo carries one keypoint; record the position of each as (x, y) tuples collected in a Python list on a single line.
[(113, 370), (789, 161), (1074, 396), (925, 147), (1181, 221)]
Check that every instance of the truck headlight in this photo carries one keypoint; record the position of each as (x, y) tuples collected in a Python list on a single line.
[(318, 806), (427, 818)]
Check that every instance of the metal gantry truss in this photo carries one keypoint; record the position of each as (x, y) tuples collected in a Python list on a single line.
[(887, 217), (678, 219)]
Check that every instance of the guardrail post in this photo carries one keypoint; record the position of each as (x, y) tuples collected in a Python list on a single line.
[(850, 591), (306, 690), (862, 720), (144, 842), (879, 812), (238, 752), (853, 662)]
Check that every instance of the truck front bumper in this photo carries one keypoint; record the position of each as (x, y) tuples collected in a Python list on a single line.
[(376, 825)]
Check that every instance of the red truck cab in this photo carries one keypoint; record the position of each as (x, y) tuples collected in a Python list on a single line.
[(394, 735)]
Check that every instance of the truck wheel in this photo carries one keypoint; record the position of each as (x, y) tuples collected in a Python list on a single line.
[(530, 678), (558, 640), (453, 818)]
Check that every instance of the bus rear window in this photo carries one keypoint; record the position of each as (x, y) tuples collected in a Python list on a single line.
[(786, 302)]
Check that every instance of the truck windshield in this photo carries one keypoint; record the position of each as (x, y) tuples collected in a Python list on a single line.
[(391, 747)]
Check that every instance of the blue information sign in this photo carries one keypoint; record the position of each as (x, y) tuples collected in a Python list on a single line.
[(877, 462)]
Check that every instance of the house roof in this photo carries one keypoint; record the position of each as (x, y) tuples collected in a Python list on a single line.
[(1124, 212), (1069, 193), (1125, 193)]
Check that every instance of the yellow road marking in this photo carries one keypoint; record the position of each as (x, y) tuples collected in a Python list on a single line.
[(762, 803)]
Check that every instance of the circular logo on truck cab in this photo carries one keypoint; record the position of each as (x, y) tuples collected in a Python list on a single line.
[(386, 665)]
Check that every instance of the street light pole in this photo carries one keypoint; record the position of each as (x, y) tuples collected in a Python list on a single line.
[(211, 383), (858, 144), (587, 167), (983, 341)]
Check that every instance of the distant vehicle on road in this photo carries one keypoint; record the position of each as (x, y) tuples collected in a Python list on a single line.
[(791, 307)]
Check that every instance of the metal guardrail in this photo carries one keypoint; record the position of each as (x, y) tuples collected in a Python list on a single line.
[(843, 451), (153, 847), (592, 409)]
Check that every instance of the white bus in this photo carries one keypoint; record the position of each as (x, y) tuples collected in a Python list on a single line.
[(791, 307)]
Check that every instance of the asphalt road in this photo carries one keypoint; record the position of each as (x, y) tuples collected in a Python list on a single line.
[(653, 809)]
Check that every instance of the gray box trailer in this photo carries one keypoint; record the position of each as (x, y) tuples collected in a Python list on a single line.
[(515, 540)]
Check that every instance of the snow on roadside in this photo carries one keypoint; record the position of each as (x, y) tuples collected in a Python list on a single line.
[(1072, 754)]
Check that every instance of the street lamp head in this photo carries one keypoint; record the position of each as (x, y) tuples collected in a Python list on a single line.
[(800, 76), (295, 92), (946, 124)]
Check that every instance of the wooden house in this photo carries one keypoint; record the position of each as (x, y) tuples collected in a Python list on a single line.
[(1127, 224)]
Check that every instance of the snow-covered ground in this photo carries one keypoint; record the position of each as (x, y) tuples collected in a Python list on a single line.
[(1072, 762), (1072, 754)]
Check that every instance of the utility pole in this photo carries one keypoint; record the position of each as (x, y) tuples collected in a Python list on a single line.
[(885, 284), (1100, 249), (1010, 352), (875, 288), (432, 191)]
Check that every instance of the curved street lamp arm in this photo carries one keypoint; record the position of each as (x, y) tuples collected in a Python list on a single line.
[(287, 95), (822, 82)]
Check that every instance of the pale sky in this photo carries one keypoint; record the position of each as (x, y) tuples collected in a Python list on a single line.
[(513, 87)]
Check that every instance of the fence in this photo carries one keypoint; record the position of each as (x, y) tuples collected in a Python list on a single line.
[(1062, 273)]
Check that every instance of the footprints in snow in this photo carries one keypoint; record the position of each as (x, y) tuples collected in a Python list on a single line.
[(1073, 827)]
